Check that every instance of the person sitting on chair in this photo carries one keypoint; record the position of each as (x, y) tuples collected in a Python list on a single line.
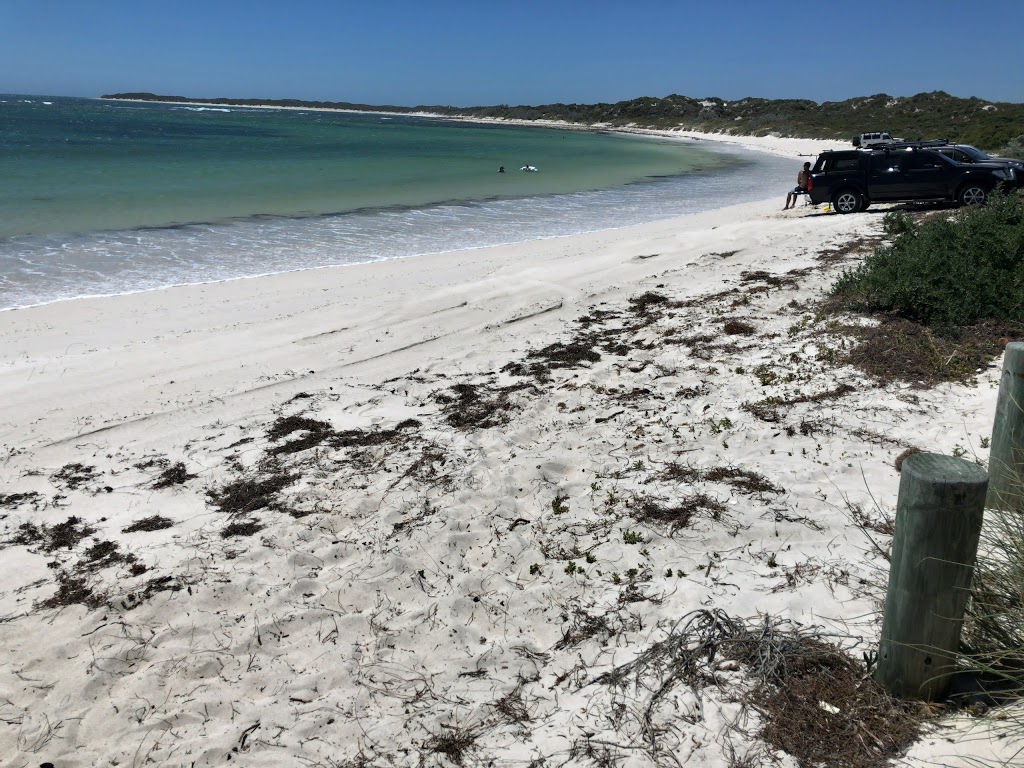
[(802, 180)]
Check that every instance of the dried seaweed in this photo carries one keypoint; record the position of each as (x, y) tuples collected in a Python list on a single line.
[(72, 589), (64, 535), (176, 474), (455, 744), (679, 514), (905, 351), (768, 408), (816, 703), (689, 393), (583, 626), (151, 523), (74, 476), (12, 500), (316, 433), (571, 354), (736, 327), (104, 554), (241, 528), (769, 279), (745, 481), (642, 304), (479, 406), (247, 494), (742, 480)]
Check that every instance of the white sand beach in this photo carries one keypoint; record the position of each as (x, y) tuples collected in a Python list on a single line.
[(443, 544)]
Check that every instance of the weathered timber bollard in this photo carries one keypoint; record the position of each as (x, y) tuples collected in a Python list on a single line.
[(1006, 460), (938, 522)]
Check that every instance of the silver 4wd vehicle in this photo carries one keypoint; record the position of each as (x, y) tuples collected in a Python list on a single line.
[(853, 179), (870, 139)]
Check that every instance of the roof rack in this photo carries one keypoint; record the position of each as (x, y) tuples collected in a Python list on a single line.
[(911, 144)]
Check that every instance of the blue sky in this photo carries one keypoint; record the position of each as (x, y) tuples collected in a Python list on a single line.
[(522, 52)]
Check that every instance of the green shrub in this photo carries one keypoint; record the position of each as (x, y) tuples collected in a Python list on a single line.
[(947, 271), (1014, 148), (632, 537)]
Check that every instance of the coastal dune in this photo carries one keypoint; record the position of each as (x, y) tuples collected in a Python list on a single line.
[(415, 512)]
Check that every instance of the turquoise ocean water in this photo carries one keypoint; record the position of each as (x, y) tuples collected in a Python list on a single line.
[(103, 197)]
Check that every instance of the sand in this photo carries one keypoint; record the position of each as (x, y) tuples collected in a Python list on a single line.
[(453, 539)]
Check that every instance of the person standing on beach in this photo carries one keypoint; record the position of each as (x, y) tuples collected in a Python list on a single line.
[(802, 180)]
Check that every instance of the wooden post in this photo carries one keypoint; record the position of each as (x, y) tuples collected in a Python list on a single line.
[(1006, 460), (938, 522)]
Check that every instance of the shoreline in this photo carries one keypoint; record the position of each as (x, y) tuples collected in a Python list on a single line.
[(770, 146), (780, 145), (412, 567)]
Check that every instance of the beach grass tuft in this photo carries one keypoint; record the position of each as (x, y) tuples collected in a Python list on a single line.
[(993, 634)]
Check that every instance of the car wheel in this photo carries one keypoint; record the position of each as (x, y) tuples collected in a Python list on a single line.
[(972, 194), (846, 201), (864, 204)]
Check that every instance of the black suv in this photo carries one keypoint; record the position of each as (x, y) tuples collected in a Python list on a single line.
[(853, 179), (965, 153)]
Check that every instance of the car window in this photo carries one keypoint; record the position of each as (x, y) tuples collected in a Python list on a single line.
[(845, 164), (923, 160), (884, 163), (973, 152)]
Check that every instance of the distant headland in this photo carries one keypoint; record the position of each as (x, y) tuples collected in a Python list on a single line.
[(987, 124)]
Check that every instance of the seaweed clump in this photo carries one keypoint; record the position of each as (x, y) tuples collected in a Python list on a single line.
[(175, 474), (64, 535), (151, 523), (247, 494), (477, 406), (74, 475)]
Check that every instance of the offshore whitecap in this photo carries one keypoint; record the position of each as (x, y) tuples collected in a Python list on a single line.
[(108, 198)]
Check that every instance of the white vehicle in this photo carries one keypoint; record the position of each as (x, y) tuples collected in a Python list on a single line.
[(877, 137)]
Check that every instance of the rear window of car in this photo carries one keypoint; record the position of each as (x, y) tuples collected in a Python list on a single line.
[(845, 164), (831, 162)]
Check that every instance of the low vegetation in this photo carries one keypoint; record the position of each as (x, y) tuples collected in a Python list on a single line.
[(946, 291), (946, 271)]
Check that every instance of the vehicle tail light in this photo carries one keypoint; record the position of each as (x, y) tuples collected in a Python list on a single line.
[(810, 183)]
